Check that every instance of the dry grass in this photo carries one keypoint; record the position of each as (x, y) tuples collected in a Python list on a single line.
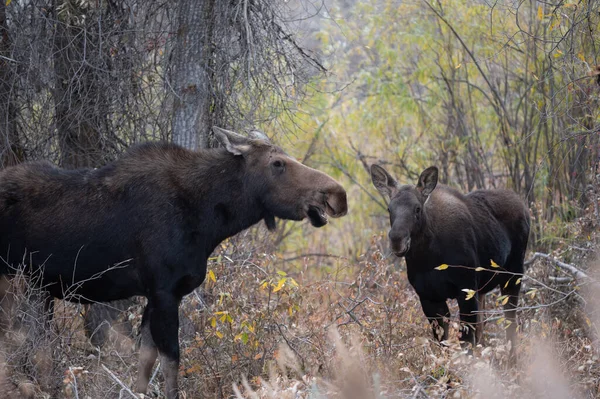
[(318, 327)]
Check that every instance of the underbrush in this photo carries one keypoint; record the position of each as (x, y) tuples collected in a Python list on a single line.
[(319, 326)]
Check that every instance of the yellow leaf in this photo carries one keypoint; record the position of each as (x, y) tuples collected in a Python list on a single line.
[(540, 13), (470, 293), (280, 284), (213, 322), (531, 292), (493, 264), (219, 334), (506, 285), (501, 298), (458, 66), (211, 276), (8, 2), (479, 269), (555, 22), (443, 266), (500, 320), (518, 281), (505, 300)]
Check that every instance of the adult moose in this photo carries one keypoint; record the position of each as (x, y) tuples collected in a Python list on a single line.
[(433, 224), (147, 223)]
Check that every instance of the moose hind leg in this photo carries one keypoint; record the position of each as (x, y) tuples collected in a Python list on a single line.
[(438, 314), (6, 304), (164, 327), (148, 353)]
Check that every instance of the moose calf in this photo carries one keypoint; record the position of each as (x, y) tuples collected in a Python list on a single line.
[(482, 236)]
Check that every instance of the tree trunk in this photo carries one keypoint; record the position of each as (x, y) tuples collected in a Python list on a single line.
[(193, 59), (80, 105), (11, 151)]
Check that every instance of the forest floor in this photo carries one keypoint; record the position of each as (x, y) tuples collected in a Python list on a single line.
[(328, 327)]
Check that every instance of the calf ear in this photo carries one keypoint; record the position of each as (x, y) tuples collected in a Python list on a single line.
[(233, 142), (383, 181), (428, 180)]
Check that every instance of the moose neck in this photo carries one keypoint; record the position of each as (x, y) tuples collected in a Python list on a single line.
[(421, 234), (224, 197)]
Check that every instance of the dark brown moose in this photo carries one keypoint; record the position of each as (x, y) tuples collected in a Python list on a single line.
[(147, 223), (433, 225)]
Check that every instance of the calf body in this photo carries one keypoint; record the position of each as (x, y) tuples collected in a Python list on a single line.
[(147, 223), (434, 224)]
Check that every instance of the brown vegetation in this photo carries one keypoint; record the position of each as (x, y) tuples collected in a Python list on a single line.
[(331, 326)]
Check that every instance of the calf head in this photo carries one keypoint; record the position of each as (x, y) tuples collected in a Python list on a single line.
[(406, 205), (286, 188)]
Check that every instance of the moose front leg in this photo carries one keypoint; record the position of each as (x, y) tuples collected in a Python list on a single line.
[(438, 314), (148, 353), (164, 328)]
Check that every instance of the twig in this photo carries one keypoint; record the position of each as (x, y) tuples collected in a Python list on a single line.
[(9, 59), (154, 374), (560, 279), (118, 381), (74, 383), (578, 274), (312, 255)]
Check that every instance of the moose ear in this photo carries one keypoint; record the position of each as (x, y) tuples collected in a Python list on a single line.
[(428, 180), (258, 135), (233, 142), (383, 181)]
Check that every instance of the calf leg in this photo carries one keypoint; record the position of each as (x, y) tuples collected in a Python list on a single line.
[(468, 318), (148, 353), (438, 314), (164, 327), (510, 312), (480, 319)]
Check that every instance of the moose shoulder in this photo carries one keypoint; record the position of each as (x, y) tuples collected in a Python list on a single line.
[(147, 223), (433, 224)]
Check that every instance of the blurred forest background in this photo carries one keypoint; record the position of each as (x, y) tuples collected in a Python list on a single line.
[(501, 93)]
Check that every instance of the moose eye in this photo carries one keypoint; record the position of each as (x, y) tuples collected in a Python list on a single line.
[(418, 210), (278, 164)]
